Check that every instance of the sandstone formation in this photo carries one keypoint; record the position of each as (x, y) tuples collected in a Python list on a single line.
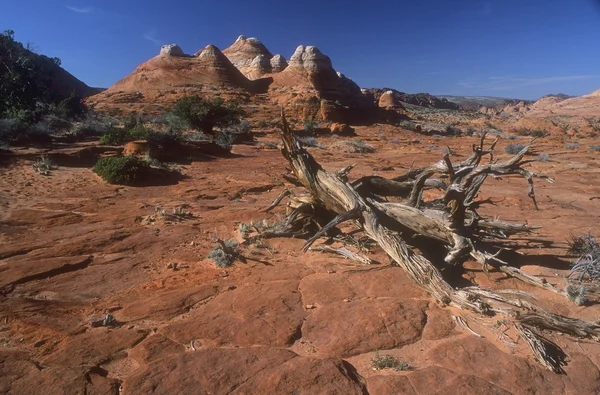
[(389, 100), (278, 63), (171, 50), (243, 51)]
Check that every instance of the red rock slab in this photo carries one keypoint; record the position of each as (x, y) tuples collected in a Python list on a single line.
[(356, 327), (474, 356), (306, 376), (267, 314), (95, 347), (255, 370), (21, 376)]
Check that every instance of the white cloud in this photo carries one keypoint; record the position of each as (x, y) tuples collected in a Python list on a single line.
[(80, 10), (150, 37)]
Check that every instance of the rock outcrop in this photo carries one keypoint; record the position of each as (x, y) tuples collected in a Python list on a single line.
[(243, 54), (278, 63), (172, 50), (416, 99), (389, 100)]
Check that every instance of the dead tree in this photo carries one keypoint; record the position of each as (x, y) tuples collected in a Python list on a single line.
[(452, 223)]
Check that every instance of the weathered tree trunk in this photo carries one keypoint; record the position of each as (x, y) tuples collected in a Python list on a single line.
[(452, 223)]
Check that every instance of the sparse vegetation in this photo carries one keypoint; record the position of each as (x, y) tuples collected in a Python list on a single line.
[(572, 146), (387, 361), (587, 266), (408, 125), (514, 149), (543, 157), (531, 132), (594, 148), (225, 253), (311, 142), (358, 146), (125, 170), (310, 125)]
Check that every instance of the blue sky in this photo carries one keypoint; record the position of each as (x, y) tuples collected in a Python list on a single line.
[(509, 48)]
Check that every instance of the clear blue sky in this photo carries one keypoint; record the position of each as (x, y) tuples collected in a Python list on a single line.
[(509, 48)]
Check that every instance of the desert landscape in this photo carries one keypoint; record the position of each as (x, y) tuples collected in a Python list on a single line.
[(235, 222)]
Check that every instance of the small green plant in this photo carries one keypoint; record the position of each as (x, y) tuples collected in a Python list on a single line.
[(125, 170), (262, 124), (514, 149), (470, 131), (225, 253), (379, 362)]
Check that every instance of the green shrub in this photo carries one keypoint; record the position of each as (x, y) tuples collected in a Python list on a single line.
[(388, 362), (117, 136), (224, 140), (206, 114), (125, 170)]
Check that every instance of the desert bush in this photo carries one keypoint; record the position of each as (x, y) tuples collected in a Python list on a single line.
[(543, 157), (197, 136), (165, 140), (594, 147), (358, 146), (452, 130), (408, 125), (262, 124), (125, 170), (514, 149), (395, 141), (379, 362), (310, 125), (510, 137), (572, 146), (11, 128), (118, 136), (310, 142), (206, 114), (225, 253), (224, 140), (470, 131), (531, 132), (587, 266), (382, 137)]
